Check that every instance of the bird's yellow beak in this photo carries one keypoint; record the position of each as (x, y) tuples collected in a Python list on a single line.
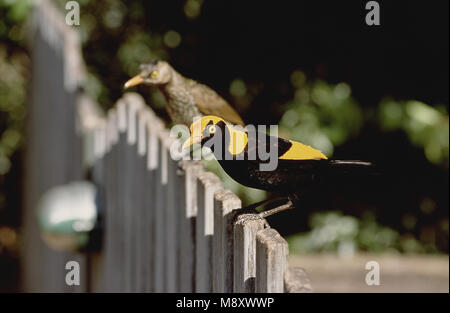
[(191, 141), (136, 80)]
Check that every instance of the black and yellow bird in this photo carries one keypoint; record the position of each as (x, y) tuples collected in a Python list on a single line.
[(298, 167), (186, 99)]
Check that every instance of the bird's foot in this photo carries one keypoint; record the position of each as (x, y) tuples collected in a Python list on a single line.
[(245, 217), (249, 212), (287, 206)]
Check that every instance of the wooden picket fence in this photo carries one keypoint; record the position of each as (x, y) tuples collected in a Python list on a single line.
[(167, 226)]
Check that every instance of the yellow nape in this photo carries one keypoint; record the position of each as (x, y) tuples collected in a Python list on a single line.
[(238, 141), (299, 151)]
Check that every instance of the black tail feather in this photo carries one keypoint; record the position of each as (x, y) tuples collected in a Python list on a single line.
[(353, 167), (350, 163)]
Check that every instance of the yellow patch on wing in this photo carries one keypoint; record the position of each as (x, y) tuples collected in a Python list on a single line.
[(238, 141), (299, 151)]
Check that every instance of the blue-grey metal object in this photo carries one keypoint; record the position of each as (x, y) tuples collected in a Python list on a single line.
[(68, 214)]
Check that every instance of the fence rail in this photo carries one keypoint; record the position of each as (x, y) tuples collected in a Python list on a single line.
[(168, 226)]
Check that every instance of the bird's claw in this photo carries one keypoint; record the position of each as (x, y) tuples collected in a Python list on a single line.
[(242, 218)]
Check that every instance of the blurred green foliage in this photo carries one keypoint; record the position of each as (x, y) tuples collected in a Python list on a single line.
[(14, 74), (326, 116), (116, 40), (320, 114), (14, 68), (332, 231), (427, 127)]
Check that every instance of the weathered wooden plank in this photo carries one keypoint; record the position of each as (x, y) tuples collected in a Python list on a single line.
[(122, 188), (112, 207), (188, 213), (119, 227), (131, 192), (97, 264), (245, 230), (171, 218), (89, 119), (296, 280), (97, 256), (207, 184), (128, 192), (225, 205), (107, 213), (154, 126), (159, 224), (128, 189), (271, 261), (152, 182), (140, 217)]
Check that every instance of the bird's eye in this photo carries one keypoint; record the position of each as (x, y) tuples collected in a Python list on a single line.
[(212, 129), (154, 74)]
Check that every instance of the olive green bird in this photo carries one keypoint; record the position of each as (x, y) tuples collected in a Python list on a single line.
[(185, 98)]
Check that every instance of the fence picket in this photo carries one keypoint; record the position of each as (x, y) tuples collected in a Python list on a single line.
[(225, 205), (108, 214), (271, 261), (245, 231), (130, 193), (207, 184), (160, 205), (172, 219), (153, 128), (141, 216), (120, 222), (96, 272), (188, 214)]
